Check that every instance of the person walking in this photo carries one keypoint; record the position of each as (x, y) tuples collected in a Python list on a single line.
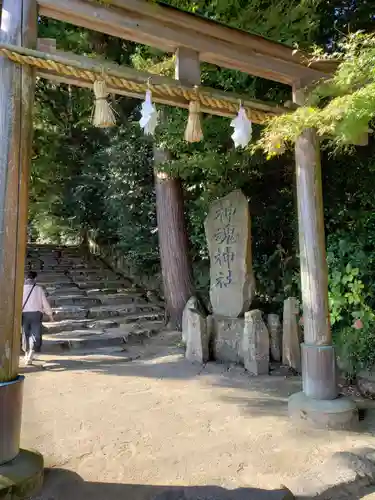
[(34, 304)]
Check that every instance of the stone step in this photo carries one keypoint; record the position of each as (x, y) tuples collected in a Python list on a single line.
[(63, 268), (51, 279), (52, 273), (34, 259), (120, 298), (48, 255), (54, 285), (90, 269), (67, 325), (74, 300), (96, 277), (99, 324), (52, 345), (95, 292), (99, 312), (93, 339), (140, 317), (86, 269), (82, 300), (54, 263), (52, 246), (99, 292), (111, 311), (63, 291), (68, 312), (114, 285)]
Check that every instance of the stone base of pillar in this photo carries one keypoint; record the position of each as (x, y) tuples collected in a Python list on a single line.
[(22, 477), (319, 371), (339, 414)]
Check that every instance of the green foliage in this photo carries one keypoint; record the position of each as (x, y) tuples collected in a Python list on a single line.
[(100, 180), (352, 300), (288, 21), (342, 107)]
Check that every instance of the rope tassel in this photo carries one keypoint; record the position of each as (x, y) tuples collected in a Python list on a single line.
[(103, 115), (193, 131)]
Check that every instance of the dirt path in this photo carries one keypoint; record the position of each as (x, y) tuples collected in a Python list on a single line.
[(116, 424)]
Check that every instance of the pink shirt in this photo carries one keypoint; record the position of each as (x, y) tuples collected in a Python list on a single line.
[(37, 300)]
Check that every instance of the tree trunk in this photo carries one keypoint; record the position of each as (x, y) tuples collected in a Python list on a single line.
[(173, 244)]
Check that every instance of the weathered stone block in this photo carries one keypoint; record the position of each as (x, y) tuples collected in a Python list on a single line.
[(228, 233), (228, 339), (366, 384), (256, 344), (191, 305), (291, 341), (275, 331), (197, 338)]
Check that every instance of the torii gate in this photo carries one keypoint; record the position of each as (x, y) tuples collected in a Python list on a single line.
[(192, 39)]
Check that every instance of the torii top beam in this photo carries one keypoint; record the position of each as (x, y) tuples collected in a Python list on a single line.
[(166, 28)]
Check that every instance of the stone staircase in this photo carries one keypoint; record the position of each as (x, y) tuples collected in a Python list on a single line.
[(93, 305)]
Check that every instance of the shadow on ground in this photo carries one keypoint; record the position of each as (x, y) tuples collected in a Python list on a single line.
[(62, 484), (258, 396), (263, 395)]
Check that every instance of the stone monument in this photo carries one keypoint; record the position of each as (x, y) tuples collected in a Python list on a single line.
[(256, 344), (274, 328), (197, 338), (291, 340), (228, 233), (232, 286), (191, 305)]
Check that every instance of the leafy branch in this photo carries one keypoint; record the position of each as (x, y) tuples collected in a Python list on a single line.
[(341, 107)]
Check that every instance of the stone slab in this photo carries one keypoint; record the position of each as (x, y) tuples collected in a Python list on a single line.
[(228, 334), (22, 477)]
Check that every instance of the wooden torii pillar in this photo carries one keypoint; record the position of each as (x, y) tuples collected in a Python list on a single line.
[(18, 26), (21, 472), (319, 403)]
